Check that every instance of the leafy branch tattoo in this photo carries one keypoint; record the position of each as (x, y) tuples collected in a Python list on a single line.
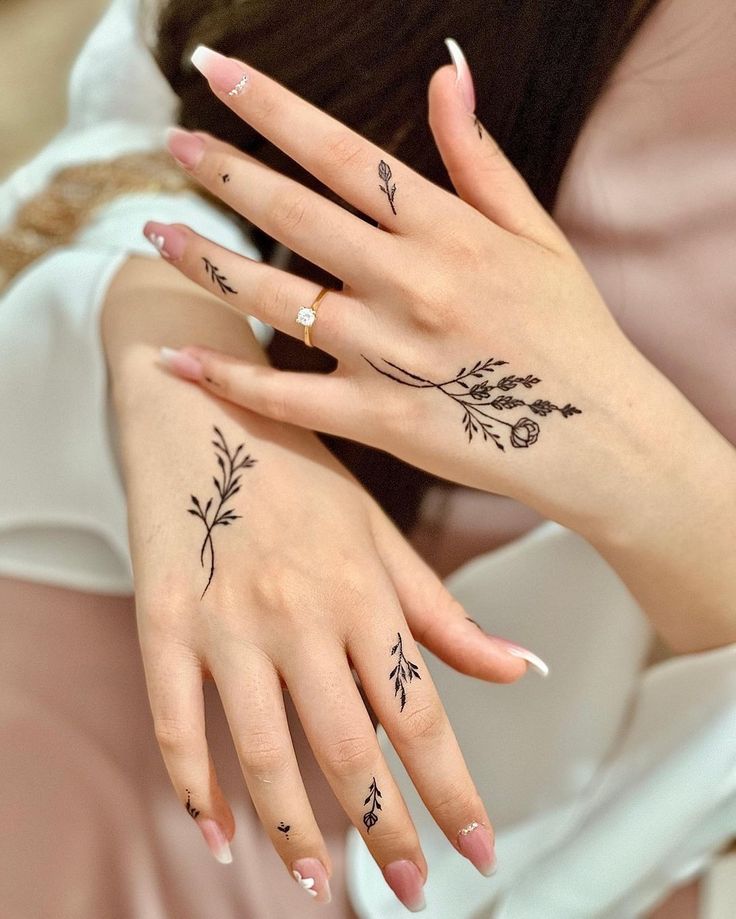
[(192, 811), (214, 273), (403, 671), (227, 485), (384, 174), (476, 393), (370, 817)]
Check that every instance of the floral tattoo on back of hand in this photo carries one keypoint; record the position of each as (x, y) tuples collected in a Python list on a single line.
[(483, 396), (227, 484)]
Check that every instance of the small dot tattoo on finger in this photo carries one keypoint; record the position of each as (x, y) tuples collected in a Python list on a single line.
[(192, 811), (284, 828)]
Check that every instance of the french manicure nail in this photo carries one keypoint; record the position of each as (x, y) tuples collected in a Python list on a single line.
[(474, 842), (463, 77), (183, 365), (311, 875), (222, 73), (530, 657), (186, 148), (170, 241), (406, 881), (216, 840)]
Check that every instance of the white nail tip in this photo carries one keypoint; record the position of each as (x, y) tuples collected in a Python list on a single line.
[(536, 662), (158, 241), (224, 856), (305, 883), (201, 55), (457, 56)]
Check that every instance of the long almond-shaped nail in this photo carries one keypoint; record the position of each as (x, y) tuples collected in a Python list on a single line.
[(170, 241), (475, 843), (182, 364), (186, 148), (222, 73), (311, 875), (406, 881), (534, 661), (463, 77), (216, 840)]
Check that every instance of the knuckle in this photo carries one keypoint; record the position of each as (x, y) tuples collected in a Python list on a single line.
[(289, 210), (426, 723), (175, 736), (454, 799), (273, 298), (343, 149), (263, 753), (349, 756)]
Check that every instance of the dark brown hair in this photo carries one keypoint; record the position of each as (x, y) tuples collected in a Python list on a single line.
[(538, 66)]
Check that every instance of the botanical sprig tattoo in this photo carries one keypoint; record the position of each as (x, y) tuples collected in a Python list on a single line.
[(227, 483), (388, 188), (476, 393), (370, 817), (213, 272), (192, 811), (403, 672), (284, 828)]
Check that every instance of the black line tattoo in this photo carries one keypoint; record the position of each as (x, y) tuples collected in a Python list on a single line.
[(284, 828), (230, 464), (214, 272), (475, 398), (384, 174), (192, 811), (478, 126), (474, 623), (225, 178), (403, 671), (370, 817)]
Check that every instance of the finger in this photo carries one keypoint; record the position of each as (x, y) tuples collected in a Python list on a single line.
[(480, 172), (344, 742), (253, 703), (304, 221), (440, 623), (315, 401), (360, 172), (405, 700), (257, 289), (174, 681)]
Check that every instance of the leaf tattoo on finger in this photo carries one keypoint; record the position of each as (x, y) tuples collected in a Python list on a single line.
[(385, 175), (230, 463), (217, 277), (370, 817), (403, 672), (476, 391)]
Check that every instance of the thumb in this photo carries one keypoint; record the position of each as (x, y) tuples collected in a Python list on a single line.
[(481, 173), (439, 623)]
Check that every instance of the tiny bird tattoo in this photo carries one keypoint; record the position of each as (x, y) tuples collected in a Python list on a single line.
[(403, 671), (370, 817), (384, 174), (192, 811), (227, 484)]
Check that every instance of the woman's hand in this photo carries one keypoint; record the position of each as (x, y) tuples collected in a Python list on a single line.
[(260, 563)]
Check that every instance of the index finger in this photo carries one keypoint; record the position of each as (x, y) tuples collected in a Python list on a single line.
[(360, 172)]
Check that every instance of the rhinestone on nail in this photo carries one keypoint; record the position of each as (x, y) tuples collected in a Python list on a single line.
[(306, 316), (468, 829), (239, 86)]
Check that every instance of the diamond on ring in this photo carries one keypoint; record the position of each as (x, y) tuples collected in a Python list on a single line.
[(239, 86), (306, 316)]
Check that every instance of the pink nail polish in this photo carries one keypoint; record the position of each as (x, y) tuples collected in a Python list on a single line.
[(311, 875), (216, 840), (406, 881), (475, 843), (223, 73), (183, 365), (463, 77), (170, 241), (186, 148)]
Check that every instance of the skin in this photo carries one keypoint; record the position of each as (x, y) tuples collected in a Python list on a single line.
[(313, 579), (447, 280)]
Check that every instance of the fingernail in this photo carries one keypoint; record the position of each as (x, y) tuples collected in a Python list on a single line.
[(222, 73), (186, 148), (463, 77), (169, 240), (474, 842), (530, 657), (405, 879), (311, 875), (183, 365), (216, 839)]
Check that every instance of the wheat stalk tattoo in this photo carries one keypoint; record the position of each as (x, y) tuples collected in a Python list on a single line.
[(475, 392), (403, 671), (217, 278), (227, 485)]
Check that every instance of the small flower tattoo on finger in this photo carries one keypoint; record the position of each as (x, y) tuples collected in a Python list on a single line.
[(284, 828), (388, 187), (370, 817)]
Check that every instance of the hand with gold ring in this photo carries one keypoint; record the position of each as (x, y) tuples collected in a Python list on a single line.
[(470, 339)]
